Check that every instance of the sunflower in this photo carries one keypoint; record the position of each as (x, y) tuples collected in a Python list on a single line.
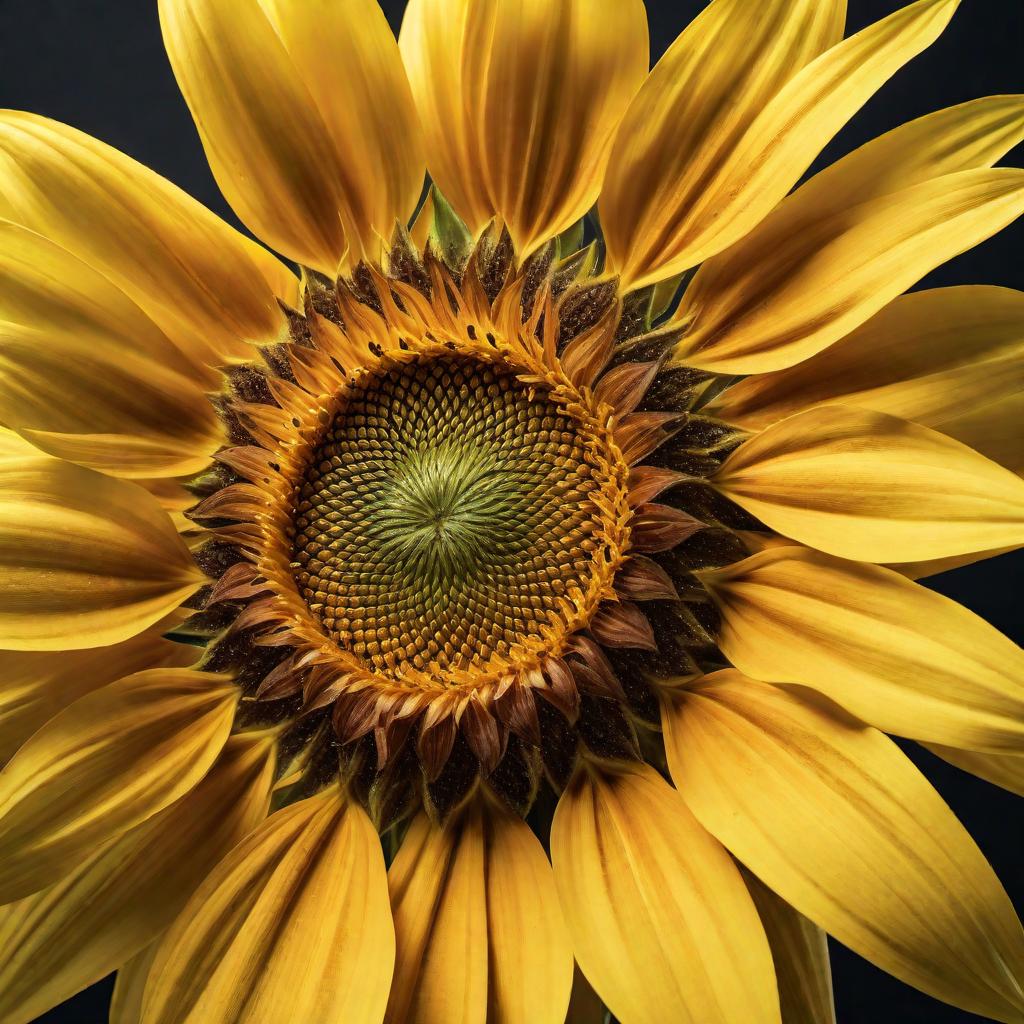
[(482, 623)]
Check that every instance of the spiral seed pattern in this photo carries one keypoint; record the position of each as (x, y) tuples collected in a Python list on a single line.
[(447, 519)]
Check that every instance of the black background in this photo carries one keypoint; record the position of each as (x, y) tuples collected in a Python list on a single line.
[(100, 66)]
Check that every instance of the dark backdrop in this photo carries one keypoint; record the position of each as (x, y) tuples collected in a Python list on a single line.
[(99, 65)]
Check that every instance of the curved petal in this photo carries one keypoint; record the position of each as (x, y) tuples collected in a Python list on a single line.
[(783, 140), (293, 925), (478, 931), (108, 762), (761, 307), (519, 100), (929, 356), (662, 924), (211, 289), (995, 430), (39, 684), (901, 657), (130, 987), (1006, 770), (834, 818), (867, 486), (85, 560), (305, 115), (800, 954), (87, 374), (691, 113), (58, 941)]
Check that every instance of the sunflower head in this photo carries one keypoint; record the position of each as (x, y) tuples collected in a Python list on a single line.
[(443, 512)]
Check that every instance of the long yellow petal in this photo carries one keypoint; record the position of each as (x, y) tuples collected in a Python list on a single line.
[(897, 655), (662, 924), (1005, 770), (58, 941), (130, 987), (868, 486), (800, 954), (761, 307), (928, 356), (519, 100), (478, 929), (212, 290), (293, 925), (689, 117), (85, 560), (995, 430), (86, 371), (812, 223), (833, 817), (305, 115), (791, 130), (39, 684), (108, 762)]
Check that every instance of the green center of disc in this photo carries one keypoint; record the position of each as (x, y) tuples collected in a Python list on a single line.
[(445, 516)]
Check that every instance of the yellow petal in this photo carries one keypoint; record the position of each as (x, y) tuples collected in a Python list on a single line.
[(929, 356), (293, 925), (791, 130), (929, 567), (761, 307), (585, 1006), (478, 930), (39, 684), (209, 288), (58, 941), (834, 818), (901, 657), (85, 560), (305, 114), (865, 485), (85, 372), (800, 954), (519, 100), (689, 117), (995, 430), (1006, 770), (662, 924), (108, 762), (130, 987)]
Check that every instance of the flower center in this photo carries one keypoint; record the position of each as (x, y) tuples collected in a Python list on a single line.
[(447, 517)]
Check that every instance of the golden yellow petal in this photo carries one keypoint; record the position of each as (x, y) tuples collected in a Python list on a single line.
[(928, 356), (800, 954), (130, 987), (293, 925), (85, 560), (478, 930), (834, 818), (108, 762), (519, 100), (39, 684), (689, 117), (775, 298), (792, 128), (897, 655), (995, 430), (929, 567), (865, 485), (662, 924), (58, 941), (87, 375), (304, 111), (816, 218), (211, 289), (1006, 770)]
